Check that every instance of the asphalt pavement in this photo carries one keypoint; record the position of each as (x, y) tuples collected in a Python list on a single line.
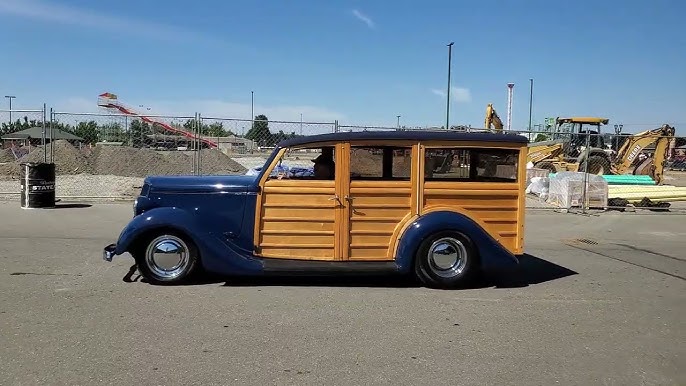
[(598, 299)]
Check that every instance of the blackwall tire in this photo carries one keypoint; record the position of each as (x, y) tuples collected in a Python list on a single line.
[(446, 260)]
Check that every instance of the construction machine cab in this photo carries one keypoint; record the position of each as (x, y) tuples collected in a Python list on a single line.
[(582, 132)]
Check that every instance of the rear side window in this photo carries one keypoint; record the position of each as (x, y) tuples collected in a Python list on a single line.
[(470, 164), (380, 163)]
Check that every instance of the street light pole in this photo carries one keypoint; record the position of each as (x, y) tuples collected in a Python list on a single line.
[(252, 107), (10, 97), (531, 99), (447, 112)]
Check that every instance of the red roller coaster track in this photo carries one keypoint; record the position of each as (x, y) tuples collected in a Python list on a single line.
[(109, 100)]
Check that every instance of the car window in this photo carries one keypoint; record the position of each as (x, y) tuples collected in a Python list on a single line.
[(380, 163), (463, 164), (313, 163)]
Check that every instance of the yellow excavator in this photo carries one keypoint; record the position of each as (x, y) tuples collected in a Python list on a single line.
[(492, 118)]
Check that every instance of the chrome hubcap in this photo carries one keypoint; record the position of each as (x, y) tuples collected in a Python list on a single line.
[(167, 256), (447, 257)]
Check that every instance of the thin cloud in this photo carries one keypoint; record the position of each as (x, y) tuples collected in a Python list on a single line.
[(457, 94), (45, 11), (364, 18)]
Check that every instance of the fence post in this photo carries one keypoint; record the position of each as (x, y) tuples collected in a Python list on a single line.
[(200, 142), (52, 137), (585, 204)]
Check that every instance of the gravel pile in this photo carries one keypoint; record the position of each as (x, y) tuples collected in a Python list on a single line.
[(125, 161), (213, 161), (68, 159), (132, 162), (6, 155)]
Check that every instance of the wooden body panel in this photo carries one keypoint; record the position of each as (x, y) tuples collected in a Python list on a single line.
[(298, 220), (376, 209), (494, 205)]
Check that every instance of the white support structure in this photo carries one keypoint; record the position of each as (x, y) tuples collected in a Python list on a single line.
[(510, 92)]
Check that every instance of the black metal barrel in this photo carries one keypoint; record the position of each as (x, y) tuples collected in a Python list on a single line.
[(37, 185)]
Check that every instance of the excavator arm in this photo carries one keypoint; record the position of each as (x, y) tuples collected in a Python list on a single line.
[(635, 144), (492, 118)]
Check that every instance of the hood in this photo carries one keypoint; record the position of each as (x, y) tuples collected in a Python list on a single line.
[(200, 184)]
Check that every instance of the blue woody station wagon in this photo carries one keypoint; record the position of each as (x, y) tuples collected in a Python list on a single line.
[(439, 205)]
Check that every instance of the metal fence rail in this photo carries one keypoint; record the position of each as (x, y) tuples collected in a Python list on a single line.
[(107, 155)]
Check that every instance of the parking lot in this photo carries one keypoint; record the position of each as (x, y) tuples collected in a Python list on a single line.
[(599, 299)]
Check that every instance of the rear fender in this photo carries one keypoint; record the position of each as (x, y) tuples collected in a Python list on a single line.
[(491, 253)]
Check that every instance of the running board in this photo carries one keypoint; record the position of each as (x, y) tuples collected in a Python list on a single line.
[(333, 267)]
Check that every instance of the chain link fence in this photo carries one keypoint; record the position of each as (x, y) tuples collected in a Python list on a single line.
[(582, 171), (108, 156)]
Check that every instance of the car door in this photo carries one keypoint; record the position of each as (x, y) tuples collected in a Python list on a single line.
[(379, 196), (298, 216)]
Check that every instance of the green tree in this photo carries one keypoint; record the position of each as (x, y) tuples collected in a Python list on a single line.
[(88, 131), (281, 136), (138, 133), (259, 132), (215, 129), (112, 132)]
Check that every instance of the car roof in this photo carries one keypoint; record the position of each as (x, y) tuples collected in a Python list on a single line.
[(419, 135)]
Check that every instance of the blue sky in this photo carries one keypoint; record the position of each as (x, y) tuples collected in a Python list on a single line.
[(361, 62)]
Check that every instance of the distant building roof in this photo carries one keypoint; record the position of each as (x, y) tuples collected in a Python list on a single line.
[(37, 133)]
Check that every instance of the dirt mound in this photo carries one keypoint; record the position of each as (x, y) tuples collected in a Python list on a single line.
[(213, 161), (10, 170), (67, 158), (6, 155), (126, 161), (133, 162)]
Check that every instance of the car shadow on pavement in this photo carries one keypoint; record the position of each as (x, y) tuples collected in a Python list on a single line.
[(530, 271)]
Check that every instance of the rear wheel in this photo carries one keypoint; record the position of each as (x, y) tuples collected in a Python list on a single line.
[(446, 260), (596, 164), (166, 258)]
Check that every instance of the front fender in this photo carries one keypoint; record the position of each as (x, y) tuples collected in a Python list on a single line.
[(492, 254), (168, 217)]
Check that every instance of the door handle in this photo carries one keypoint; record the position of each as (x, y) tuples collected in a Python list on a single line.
[(336, 198)]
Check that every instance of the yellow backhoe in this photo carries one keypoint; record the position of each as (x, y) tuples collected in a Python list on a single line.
[(628, 160), (578, 150)]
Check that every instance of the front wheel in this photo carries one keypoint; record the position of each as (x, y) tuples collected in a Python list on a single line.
[(446, 260), (166, 258)]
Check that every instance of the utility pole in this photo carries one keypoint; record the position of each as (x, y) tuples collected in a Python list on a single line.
[(10, 97), (398, 116), (252, 107), (531, 99), (447, 112)]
